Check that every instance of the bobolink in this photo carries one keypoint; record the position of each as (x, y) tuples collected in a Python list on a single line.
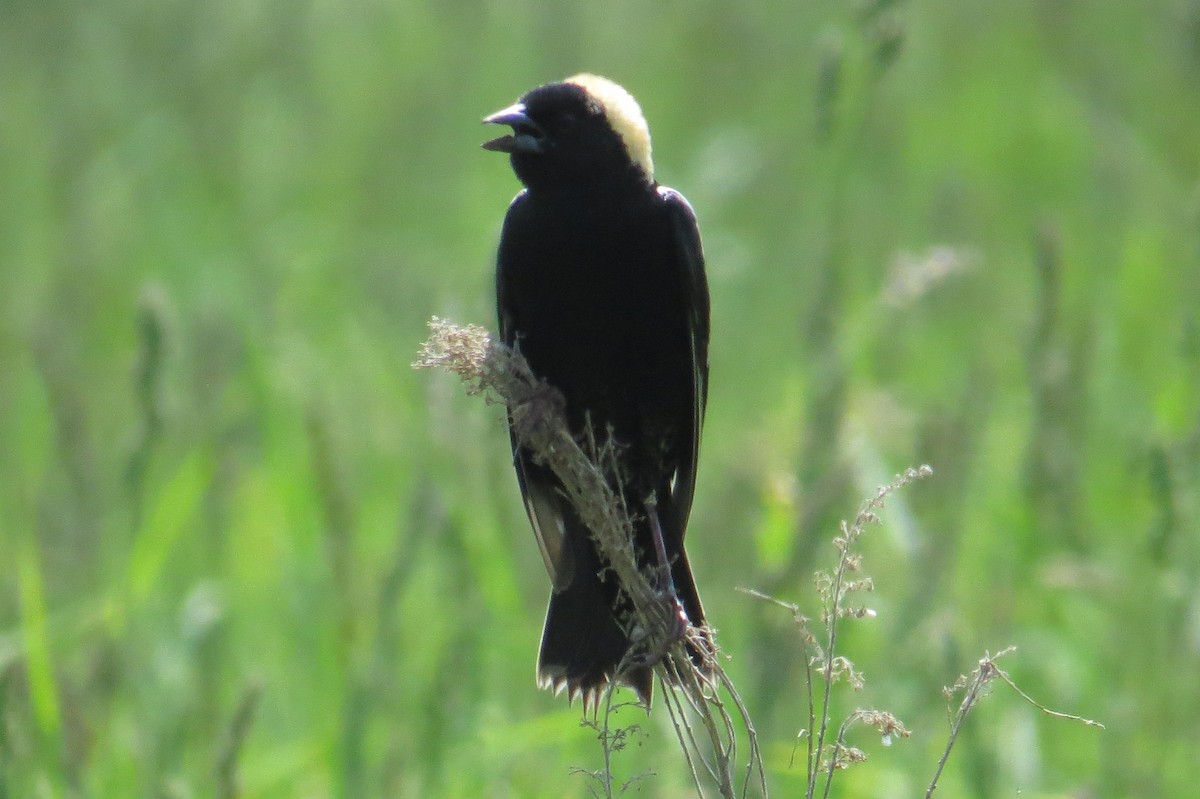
[(600, 285)]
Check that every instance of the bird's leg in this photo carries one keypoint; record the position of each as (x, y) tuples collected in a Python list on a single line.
[(666, 584), (660, 628)]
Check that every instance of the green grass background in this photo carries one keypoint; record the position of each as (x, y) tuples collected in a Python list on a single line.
[(248, 551)]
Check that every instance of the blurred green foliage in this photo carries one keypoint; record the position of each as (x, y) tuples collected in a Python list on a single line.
[(250, 552)]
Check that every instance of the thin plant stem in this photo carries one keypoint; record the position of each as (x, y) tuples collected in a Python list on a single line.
[(586, 471), (964, 707), (830, 643), (1003, 676)]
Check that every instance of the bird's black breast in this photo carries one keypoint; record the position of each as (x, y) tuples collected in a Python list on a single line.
[(590, 292)]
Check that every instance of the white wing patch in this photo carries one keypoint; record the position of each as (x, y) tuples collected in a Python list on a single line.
[(551, 533)]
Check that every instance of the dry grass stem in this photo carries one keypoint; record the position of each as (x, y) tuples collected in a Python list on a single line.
[(705, 726), (973, 686), (821, 657), (834, 589)]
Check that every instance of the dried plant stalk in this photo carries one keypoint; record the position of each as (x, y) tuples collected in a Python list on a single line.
[(706, 728)]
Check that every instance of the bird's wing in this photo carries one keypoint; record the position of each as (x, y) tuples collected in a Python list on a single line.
[(543, 502), (690, 268)]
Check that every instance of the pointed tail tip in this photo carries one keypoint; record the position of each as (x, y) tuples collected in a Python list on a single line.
[(592, 691)]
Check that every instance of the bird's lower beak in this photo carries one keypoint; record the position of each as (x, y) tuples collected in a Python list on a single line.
[(527, 135)]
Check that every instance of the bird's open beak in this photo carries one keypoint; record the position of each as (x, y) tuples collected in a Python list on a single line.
[(527, 135)]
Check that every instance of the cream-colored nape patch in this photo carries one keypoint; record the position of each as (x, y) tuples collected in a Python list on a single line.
[(624, 114)]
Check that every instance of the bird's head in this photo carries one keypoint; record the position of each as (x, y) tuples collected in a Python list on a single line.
[(583, 132)]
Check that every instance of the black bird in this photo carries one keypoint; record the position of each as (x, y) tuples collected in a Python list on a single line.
[(600, 284)]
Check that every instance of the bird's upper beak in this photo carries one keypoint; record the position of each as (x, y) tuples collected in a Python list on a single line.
[(527, 135)]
